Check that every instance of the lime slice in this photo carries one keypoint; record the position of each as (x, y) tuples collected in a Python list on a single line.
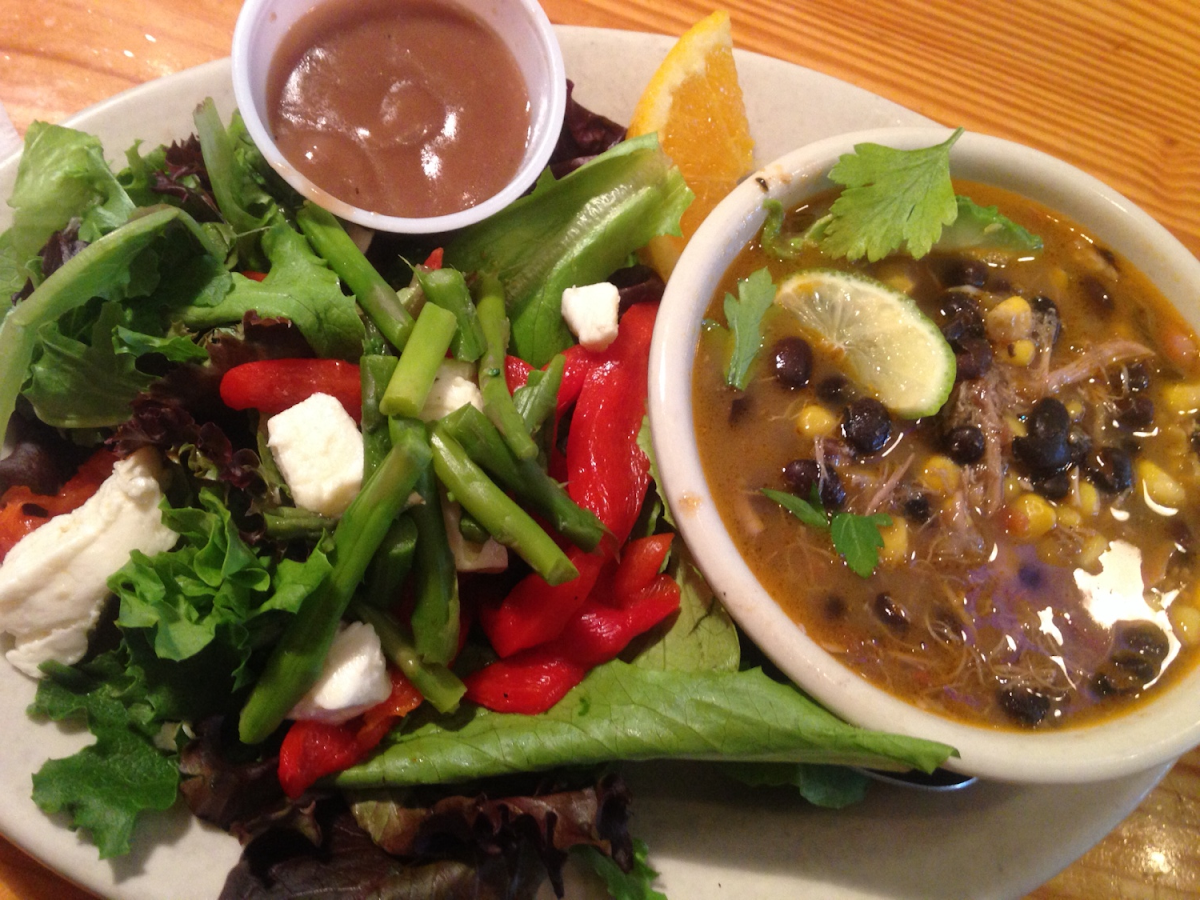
[(877, 335)]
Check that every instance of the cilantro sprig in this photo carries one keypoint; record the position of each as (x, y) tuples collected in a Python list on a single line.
[(892, 198), (855, 538), (744, 313)]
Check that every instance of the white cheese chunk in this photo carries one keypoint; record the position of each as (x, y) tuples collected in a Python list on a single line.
[(469, 556), (454, 387), (319, 452), (354, 679), (590, 312), (54, 581)]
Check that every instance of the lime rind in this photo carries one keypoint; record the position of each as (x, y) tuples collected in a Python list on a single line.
[(877, 335)]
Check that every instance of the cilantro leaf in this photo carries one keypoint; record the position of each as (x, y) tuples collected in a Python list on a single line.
[(857, 540), (744, 314), (810, 515), (986, 227), (892, 198)]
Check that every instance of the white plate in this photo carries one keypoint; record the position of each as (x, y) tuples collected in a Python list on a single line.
[(709, 838)]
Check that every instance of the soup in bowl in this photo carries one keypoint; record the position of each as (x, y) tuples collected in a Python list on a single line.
[(947, 478)]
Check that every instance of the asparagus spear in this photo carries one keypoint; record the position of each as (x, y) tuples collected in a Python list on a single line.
[(377, 298), (497, 401), (435, 609), (492, 508), (376, 372), (524, 478), (413, 377), (437, 684), (295, 663), (448, 289), (538, 398)]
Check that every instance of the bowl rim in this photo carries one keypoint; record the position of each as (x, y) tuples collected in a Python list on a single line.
[(547, 104), (1149, 734)]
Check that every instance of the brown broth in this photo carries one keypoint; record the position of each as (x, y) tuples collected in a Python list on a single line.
[(408, 108), (971, 613)]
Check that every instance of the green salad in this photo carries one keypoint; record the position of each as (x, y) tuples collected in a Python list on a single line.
[(487, 574)]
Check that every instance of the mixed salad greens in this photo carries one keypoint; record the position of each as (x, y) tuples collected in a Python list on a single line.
[(181, 301)]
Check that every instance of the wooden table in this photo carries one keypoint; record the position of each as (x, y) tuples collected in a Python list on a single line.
[(1113, 87)]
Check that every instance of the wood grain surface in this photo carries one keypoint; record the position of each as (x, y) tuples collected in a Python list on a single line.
[(1113, 87)]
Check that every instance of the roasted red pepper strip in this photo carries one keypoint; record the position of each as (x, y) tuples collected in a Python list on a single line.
[(22, 511), (579, 361), (273, 385), (532, 681), (311, 750), (606, 472), (641, 561)]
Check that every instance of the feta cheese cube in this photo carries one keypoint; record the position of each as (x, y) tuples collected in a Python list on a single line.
[(591, 313), (454, 387), (54, 581), (354, 679), (319, 452)]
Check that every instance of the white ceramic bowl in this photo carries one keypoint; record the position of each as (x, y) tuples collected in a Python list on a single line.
[(1153, 732), (521, 25)]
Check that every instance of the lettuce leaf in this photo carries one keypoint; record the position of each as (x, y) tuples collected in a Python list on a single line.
[(213, 586), (621, 712), (62, 176), (577, 230), (104, 787), (299, 287)]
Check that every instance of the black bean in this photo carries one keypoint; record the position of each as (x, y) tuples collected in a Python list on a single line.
[(1080, 443), (1123, 673), (835, 389), (1109, 468), (1096, 293), (1134, 412), (965, 270), (917, 508), (1045, 449), (965, 444), (1053, 487), (1130, 379), (890, 613), (1047, 309), (961, 316), (792, 359), (866, 425), (1023, 704), (973, 357), (803, 475), (1145, 639)]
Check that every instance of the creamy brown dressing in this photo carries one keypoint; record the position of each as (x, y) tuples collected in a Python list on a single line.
[(408, 108)]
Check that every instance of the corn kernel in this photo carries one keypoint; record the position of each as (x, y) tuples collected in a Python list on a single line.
[(1089, 554), (1019, 353), (895, 543), (1185, 620), (1016, 426), (1157, 486), (1029, 517), (1055, 550), (1075, 409), (815, 421), (1089, 498), (941, 474), (1012, 488), (1182, 397), (1060, 279), (1010, 320), (1069, 517)]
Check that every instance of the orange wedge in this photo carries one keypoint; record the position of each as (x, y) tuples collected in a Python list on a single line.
[(694, 103)]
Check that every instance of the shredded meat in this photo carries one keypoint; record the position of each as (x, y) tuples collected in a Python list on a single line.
[(1094, 362)]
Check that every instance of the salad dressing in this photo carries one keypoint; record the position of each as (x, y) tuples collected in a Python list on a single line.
[(413, 108)]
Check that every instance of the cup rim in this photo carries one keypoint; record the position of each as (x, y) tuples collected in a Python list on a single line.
[(1151, 733), (545, 125)]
